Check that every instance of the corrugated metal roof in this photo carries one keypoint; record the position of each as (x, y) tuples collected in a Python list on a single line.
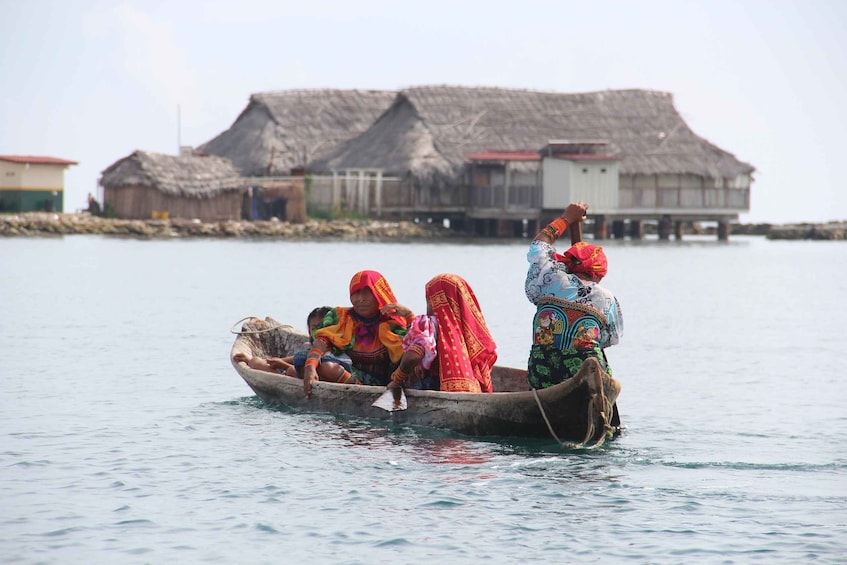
[(36, 160), (586, 157), (570, 142), (523, 155)]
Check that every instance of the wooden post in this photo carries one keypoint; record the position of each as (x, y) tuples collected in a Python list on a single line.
[(677, 230), (618, 229), (335, 200), (503, 228), (723, 231), (506, 188), (363, 193), (665, 227), (348, 189), (379, 192), (636, 229), (600, 228)]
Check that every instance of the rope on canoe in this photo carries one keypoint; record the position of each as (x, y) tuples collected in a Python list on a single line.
[(249, 332), (589, 431), (547, 421)]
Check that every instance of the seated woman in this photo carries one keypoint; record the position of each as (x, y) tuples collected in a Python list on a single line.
[(576, 318), (372, 337), (332, 367), (450, 348)]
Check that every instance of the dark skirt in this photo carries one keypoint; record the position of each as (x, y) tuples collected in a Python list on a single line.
[(299, 359), (550, 366)]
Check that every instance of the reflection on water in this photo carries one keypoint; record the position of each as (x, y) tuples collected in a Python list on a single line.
[(452, 451)]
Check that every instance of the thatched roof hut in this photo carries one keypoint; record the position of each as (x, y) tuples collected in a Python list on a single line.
[(429, 132), (144, 184), (281, 131)]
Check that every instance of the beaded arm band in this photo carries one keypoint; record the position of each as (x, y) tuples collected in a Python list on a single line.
[(556, 228), (399, 376), (313, 358), (418, 349)]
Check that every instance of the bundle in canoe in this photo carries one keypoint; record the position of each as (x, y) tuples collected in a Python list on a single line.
[(581, 409)]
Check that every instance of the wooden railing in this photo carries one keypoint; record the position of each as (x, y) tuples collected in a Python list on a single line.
[(688, 199), (394, 197)]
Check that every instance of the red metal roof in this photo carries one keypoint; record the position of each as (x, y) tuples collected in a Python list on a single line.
[(586, 157), (531, 155), (35, 160), (575, 142), (522, 155)]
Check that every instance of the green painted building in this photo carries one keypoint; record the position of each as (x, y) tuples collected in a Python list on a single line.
[(32, 183)]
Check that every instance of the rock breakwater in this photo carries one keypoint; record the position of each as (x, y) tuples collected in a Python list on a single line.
[(39, 224), (827, 231), (47, 224)]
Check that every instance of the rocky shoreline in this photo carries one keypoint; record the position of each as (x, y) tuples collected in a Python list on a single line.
[(35, 224), (827, 231), (39, 224)]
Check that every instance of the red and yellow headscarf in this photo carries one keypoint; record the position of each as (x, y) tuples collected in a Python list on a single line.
[(378, 285), (466, 350), (391, 330), (586, 259)]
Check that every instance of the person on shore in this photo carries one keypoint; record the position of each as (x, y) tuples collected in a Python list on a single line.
[(370, 334), (450, 348), (93, 206), (332, 367), (575, 317)]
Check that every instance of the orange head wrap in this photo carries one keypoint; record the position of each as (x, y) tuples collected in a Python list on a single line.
[(378, 285), (586, 259), (391, 330)]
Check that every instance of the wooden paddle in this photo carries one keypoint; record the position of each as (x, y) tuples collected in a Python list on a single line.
[(576, 232)]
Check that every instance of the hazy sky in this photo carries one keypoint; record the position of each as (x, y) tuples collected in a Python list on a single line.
[(92, 81)]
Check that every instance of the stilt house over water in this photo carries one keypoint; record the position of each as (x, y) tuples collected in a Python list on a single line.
[(148, 185), (31, 183), (502, 161)]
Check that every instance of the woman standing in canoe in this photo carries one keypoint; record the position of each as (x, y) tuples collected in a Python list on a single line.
[(576, 318), (450, 348), (370, 334)]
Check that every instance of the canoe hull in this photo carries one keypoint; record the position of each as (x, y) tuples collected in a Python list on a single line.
[(568, 406)]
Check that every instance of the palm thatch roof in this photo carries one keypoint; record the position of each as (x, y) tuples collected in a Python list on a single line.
[(191, 176), (430, 131), (280, 131)]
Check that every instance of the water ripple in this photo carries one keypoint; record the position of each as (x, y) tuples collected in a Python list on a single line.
[(148, 448)]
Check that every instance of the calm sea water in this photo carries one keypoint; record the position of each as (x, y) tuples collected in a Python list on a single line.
[(127, 437)]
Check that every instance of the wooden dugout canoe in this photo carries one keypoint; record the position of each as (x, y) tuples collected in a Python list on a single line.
[(581, 409)]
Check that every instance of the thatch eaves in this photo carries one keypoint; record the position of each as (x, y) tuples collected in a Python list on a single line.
[(429, 132), (280, 131), (191, 176)]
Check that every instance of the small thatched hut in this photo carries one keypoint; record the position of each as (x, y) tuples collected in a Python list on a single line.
[(145, 185), (280, 132)]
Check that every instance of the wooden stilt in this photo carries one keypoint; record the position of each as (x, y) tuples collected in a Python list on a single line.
[(665, 227), (600, 227)]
